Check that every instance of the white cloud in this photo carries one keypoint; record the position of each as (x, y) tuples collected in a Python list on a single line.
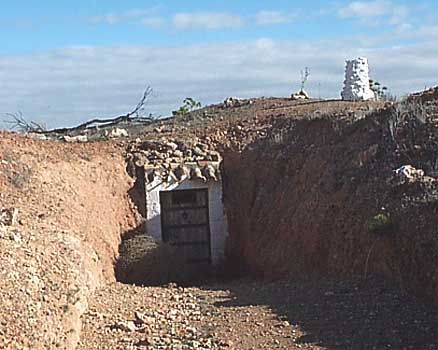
[(365, 9), (266, 18), (376, 12), (109, 18), (207, 20), (427, 32), (115, 18), (69, 86), (265, 44), (399, 14), (153, 22), (195, 20)]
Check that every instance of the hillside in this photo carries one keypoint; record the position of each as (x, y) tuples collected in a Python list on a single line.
[(302, 198), (302, 179), (72, 206)]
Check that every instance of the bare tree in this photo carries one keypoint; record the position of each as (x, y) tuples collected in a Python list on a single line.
[(304, 77), (19, 123)]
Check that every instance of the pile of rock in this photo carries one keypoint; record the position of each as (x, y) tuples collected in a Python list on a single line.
[(159, 318), (409, 174), (236, 102), (93, 134), (116, 133), (175, 160), (423, 188), (300, 95), (357, 81), (74, 139)]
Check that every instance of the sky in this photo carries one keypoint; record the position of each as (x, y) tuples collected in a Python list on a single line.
[(64, 62)]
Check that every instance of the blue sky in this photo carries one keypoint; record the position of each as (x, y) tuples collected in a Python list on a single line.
[(63, 62)]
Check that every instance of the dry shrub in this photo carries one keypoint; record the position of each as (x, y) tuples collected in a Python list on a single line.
[(144, 261), (20, 178), (380, 224), (17, 173)]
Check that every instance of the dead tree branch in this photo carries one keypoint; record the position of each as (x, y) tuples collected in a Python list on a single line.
[(17, 122), (132, 116)]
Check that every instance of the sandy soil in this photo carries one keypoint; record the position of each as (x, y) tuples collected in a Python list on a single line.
[(247, 314)]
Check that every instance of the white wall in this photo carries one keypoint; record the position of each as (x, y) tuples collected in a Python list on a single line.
[(218, 220), (357, 81)]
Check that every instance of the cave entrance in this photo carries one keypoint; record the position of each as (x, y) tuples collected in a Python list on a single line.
[(185, 224), (183, 235)]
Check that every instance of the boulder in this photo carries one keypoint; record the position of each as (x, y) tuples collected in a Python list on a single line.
[(409, 174), (118, 132), (181, 172), (233, 102), (126, 326), (178, 154), (209, 172), (78, 138), (172, 145), (300, 95), (196, 173), (8, 217)]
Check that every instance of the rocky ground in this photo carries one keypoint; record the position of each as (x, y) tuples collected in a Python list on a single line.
[(247, 314), (72, 205)]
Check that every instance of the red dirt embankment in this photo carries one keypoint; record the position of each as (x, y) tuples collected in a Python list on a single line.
[(299, 201), (72, 206)]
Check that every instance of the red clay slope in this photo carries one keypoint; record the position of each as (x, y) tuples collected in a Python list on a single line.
[(299, 201), (72, 207)]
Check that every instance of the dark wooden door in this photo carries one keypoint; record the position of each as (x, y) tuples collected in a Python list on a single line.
[(185, 223)]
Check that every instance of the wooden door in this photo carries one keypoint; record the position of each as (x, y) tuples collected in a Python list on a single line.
[(185, 223)]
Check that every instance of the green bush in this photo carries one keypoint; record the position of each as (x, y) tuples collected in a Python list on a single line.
[(380, 224), (189, 105)]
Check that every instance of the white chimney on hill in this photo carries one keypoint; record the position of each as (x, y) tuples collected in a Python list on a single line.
[(357, 81)]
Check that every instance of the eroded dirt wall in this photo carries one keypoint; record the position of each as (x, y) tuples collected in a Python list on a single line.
[(72, 207), (299, 201)]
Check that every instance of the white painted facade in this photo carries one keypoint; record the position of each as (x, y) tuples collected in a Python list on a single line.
[(217, 216)]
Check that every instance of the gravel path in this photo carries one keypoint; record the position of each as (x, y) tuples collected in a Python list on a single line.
[(246, 314)]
